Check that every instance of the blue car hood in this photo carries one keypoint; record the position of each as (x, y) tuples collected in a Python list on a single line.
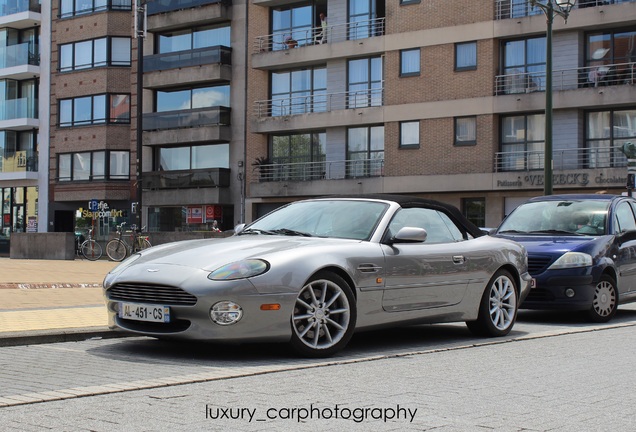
[(551, 244)]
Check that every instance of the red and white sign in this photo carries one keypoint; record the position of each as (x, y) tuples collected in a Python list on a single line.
[(194, 215)]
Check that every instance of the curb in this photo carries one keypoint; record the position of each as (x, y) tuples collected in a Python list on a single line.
[(53, 336)]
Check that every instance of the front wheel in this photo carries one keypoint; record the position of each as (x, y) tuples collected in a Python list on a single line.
[(144, 244), (91, 250), (116, 250), (498, 307), (605, 300), (324, 316)]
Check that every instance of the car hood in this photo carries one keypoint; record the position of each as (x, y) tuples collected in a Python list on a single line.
[(544, 244), (210, 254)]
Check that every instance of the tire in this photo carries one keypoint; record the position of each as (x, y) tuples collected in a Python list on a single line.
[(497, 308), (605, 300), (116, 250), (326, 302), (145, 244), (91, 250)]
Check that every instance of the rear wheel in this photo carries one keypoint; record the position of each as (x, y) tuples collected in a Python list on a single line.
[(498, 307), (116, 250), (144, 244), (605, 300), (91, 250), (324, 316)]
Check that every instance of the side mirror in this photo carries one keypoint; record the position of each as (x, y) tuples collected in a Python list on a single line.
[(239, 228), (410, 235)]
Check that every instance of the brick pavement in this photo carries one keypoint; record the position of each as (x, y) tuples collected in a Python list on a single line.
[(51, 300)]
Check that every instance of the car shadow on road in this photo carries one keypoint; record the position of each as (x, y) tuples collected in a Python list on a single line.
[(570, 318)]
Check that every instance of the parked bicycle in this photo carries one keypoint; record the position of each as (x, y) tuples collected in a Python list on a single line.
[(118, 248), (88, 248)]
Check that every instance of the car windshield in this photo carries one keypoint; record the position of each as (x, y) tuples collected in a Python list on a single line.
[(351, 219), (570, 217)]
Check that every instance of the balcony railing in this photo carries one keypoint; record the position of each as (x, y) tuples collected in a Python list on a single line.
[(319, 102), (215, 116), (567, 79), (157, 7), (213, 177), (323, 170), (19, 55), (19, 108), (198, 57), (570, 159), (505, 9), (19, 161), (314, 35), (10, 7)]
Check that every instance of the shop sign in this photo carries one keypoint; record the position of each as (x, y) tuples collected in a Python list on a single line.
[(570, 179), (99, 209), (213, 212), (194, 215)]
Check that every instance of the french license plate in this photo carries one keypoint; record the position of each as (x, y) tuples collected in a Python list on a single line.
[(533, 283), (144, 312)]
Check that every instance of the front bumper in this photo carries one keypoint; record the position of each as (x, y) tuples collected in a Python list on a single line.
[(550, 292)]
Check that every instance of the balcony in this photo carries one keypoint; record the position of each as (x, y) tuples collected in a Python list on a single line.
[(158, 7), (313, 36), (19, 109), (11, 7), (505, 9), (569, 159), (319, 102), (323, 170), (204, 178), (214, 116), (567, 79), (19, 55), (167, 15), (19, 161), (182, 59)]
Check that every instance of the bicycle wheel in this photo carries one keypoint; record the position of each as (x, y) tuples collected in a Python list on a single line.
[(145, 244), (91, 250), (116, 250)]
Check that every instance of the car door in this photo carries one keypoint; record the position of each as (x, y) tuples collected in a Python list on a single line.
[(429, 274), (625, 226)]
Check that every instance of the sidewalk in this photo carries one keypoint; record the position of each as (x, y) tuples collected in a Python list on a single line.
[(52, 300)]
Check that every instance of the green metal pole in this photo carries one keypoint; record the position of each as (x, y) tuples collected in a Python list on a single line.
[(547, 167)]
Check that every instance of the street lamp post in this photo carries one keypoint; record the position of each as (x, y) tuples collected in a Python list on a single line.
[(550, 8), (140, 34)]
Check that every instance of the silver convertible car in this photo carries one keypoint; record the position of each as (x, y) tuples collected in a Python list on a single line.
[(314, 271)]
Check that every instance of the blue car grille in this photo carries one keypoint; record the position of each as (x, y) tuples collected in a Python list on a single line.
[(537, 264), (156, 294)]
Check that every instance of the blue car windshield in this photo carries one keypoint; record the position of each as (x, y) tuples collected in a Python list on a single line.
[(352, 219), (585, 217)]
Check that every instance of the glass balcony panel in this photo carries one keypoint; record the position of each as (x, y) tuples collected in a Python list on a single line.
[(197, 57), (161, 6), (215, 116)]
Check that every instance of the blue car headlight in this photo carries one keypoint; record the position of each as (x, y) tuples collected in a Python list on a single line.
[(240, 270), (572, 260)]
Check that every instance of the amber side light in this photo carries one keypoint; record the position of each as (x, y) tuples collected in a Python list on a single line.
[(273, 306)]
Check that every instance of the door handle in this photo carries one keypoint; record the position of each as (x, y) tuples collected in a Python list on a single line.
[(459, 259)]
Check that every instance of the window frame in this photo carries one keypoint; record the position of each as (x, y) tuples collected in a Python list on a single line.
[(460, 143), (403, 145), (465, 68), (108, 62), (104, 175), (467, 204), (111, 5), (92, 121), (419, 62)]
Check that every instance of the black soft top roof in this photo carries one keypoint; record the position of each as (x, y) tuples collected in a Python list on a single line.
[(406, 201)]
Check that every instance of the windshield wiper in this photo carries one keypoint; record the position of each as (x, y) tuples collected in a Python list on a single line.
[(555, 231), (290, 232), (512, 232), (256, 231)]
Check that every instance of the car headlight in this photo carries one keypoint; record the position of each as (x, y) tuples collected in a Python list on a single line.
[(240, 270), (125, 263), (572, 260), (225, 313)]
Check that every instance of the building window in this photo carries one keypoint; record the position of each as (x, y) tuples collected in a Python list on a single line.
[(69, 8), (292, 22), (365, 151), (606, 133), (190, 39), (193, 98), (193, 157), (466, 56), (365, 82), (365, 18), (465, 131), (96, 109), (410, 62), (93, 166), (299, 91), (522, 142), (523, 65), (410, 134), (610, 55), (297, 157), (110, 51), (474, 209), (406, 2)]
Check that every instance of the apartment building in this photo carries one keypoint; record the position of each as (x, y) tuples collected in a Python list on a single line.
[(442, 99), (22, 63)]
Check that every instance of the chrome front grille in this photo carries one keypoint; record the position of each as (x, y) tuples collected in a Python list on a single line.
[(537, 264), (157, 294)]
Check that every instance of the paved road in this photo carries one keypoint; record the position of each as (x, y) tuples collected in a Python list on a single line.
[(552, 373)]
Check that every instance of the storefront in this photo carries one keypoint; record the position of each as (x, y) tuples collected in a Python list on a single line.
[(19, 213)]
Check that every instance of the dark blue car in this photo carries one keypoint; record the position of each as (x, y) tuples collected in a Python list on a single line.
[(581, 251)]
